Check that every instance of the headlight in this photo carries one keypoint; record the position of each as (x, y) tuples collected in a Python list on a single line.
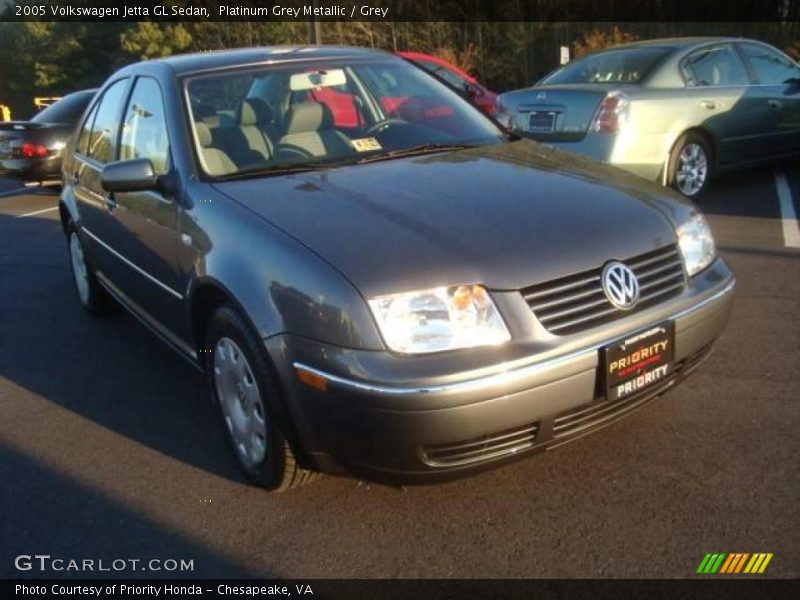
[(443, 318), (696, 244)]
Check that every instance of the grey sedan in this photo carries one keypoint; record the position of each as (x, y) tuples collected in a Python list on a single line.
[(376, 279), (671, 110)]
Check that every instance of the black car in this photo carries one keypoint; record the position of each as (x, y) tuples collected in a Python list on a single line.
[(31, 150), (375, 278)]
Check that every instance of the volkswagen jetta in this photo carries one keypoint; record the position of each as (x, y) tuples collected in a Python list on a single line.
[(411, 295)]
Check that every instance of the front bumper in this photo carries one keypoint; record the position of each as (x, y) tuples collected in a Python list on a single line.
[(416, 419)]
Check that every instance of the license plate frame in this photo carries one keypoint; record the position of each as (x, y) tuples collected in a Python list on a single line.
[(639, 362), (542, 121)]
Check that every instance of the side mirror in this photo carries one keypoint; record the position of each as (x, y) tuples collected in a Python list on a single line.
[(133, 175)]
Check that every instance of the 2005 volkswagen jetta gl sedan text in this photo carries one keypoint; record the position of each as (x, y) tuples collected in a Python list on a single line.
[(376, 278)]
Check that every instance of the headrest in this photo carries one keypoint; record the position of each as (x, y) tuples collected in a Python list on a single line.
[(206, 113), (309, 116), (254, 111), (203, 134)]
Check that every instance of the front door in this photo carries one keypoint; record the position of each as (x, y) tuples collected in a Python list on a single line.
[(146, 223), (778, 84), (96, 147)]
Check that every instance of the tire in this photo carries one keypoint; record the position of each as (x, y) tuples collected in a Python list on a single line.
[(245, 392), (690, 165), (93, 297)]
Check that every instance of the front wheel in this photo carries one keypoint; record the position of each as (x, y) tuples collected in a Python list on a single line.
[(243, 388), (690, 165)]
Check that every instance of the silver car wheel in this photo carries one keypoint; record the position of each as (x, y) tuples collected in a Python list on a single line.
[(241, 403), (79, 270), (692, 169)]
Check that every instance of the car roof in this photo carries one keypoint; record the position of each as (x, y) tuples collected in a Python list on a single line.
[(221, 59), (439, 61), (675, 43)]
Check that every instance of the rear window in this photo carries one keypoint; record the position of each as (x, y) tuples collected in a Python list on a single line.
[(67, 110), (630, 65)]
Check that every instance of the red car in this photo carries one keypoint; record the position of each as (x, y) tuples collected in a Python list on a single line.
[(348, 116), (478, 94)]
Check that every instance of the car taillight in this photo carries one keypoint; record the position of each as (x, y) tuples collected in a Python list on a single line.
[(502, 115), (612, 113), (30, 150)]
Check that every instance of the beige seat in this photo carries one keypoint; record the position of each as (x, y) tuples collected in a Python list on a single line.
[(251, 142), (216, 161), (310, 133)]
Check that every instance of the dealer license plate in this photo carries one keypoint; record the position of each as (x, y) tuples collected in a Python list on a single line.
[(542, 120), (640, 361)]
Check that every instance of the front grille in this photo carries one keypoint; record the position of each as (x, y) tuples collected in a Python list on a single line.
[(482, 449), (583, 419), (577, 302)]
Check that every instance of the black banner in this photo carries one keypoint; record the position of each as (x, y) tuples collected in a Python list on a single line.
[(540, 589), (402, 10)]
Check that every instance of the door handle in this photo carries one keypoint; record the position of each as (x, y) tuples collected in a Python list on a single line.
[(774, 103), (709, 104)]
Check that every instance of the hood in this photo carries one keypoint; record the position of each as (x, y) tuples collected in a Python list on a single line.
[(506, 216)]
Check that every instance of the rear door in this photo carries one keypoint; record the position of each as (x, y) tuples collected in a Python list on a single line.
[(96, 147), (777, 92), (724, 101)]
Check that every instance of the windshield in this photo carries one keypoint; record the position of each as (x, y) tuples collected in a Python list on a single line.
[(67, 110), (629, 65), (316, 115)]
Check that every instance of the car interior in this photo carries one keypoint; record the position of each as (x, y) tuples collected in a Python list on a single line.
[(251, 122)]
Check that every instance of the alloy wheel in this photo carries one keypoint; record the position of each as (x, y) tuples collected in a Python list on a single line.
[(692, 170)]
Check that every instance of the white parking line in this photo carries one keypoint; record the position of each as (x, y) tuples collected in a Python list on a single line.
[(36, 212), (791, 230)]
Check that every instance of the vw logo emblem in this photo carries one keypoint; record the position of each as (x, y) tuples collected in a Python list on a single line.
[(620, 285)]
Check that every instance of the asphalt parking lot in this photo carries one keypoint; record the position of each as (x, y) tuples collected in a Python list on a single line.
[(111, 449)]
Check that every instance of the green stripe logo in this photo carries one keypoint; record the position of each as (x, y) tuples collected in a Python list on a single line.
[(711, 563)]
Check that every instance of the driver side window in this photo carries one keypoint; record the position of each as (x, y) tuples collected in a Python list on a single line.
[(144, 131), (770, 67)]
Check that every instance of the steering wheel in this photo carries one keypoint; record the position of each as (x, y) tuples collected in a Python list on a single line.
[(383, 125)]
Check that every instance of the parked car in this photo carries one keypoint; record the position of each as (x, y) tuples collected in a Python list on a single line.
[(31, 150), (394, 301), (465, 83), (672, 110)]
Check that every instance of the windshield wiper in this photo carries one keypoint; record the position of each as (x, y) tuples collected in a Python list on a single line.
[(418, 150), (274, 170)]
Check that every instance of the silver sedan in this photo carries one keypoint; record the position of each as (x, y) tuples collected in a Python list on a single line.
[(672, 110)]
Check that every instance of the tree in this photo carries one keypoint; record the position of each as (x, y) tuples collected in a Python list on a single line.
[(155, 40), (598, 39)]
